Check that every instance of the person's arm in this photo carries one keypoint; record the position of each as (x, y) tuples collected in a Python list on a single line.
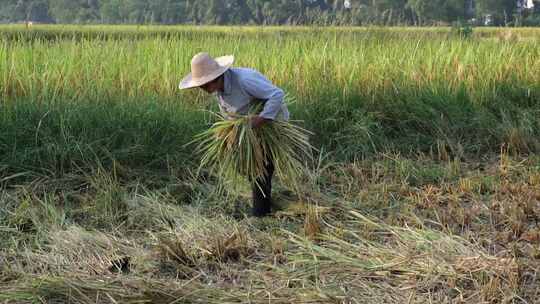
[(261, 88)]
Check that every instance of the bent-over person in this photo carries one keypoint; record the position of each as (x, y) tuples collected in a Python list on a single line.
[(237, 91)]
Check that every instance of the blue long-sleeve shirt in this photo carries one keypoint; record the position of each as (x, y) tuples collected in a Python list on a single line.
[(245, 87)]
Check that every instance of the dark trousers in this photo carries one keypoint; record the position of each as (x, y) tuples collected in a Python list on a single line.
[(262, 192)]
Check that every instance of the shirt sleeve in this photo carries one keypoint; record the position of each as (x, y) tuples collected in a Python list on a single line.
[(258, 86)]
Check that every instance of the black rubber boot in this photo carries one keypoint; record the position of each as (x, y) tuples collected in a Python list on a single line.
[(262, 193)]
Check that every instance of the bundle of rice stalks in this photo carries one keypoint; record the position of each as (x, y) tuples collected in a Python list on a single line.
[(232, 149)]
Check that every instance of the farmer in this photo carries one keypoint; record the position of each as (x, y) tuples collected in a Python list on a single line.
[(237, 90)]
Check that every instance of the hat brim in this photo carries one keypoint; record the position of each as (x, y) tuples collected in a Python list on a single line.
[(224, 62)]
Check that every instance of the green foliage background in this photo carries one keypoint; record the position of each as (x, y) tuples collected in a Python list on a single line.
[(321, 12)]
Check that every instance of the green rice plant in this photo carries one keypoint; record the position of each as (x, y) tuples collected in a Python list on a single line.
[(361, 90), (232, 149)]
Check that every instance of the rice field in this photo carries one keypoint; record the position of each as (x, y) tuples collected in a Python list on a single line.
[(425, 187)]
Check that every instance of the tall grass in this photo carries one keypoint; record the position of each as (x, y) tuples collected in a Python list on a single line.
[(360, 90)]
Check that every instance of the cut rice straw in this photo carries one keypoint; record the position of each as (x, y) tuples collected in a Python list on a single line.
[(232, 149)]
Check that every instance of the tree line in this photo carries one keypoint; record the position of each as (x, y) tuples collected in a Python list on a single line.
[(269, 12)]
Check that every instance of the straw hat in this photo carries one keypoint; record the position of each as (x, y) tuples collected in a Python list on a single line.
[(205, 69)]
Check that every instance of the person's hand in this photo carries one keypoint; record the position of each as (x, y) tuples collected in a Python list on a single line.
[(258, 121)]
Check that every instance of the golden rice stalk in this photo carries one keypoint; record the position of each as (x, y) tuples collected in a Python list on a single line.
[(232, 149)]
